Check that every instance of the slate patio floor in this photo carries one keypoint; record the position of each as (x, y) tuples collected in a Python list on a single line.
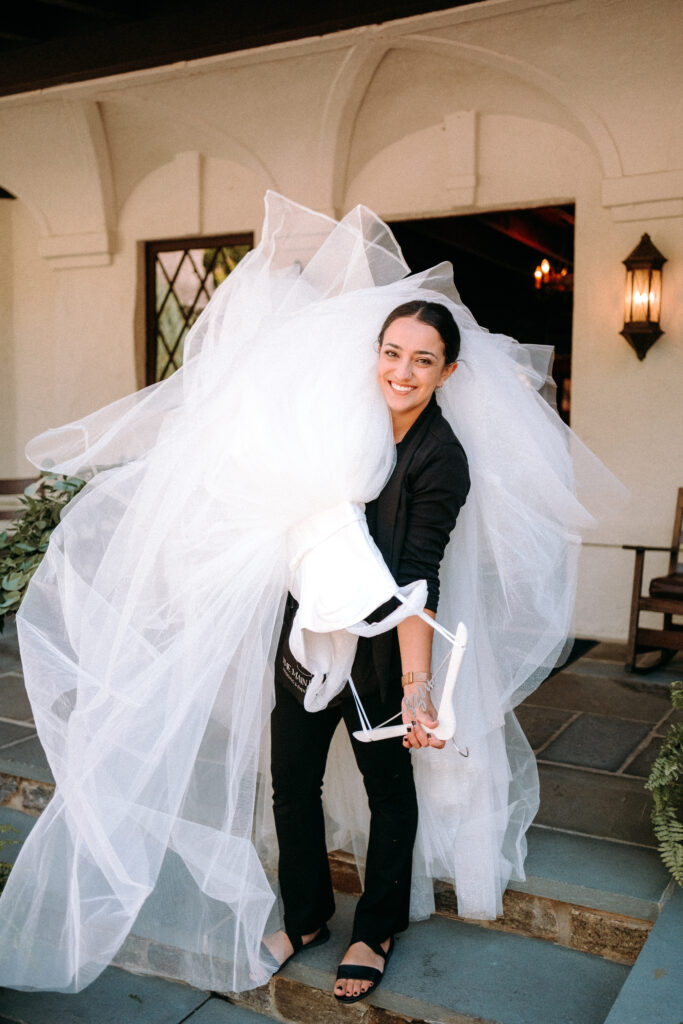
[(595, 730), (118, 997)]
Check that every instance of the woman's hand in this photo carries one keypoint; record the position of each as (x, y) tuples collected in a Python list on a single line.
[(420, 720)]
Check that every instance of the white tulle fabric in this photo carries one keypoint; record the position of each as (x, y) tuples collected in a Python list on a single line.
[(148, 632)]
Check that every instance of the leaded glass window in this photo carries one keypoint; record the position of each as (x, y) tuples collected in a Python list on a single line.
[(181, 276)]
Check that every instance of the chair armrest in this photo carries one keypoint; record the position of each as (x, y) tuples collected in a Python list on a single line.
[(646, 547)]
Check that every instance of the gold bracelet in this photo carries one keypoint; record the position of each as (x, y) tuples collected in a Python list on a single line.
[(415, 677)]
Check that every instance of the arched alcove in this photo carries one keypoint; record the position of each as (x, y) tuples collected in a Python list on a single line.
[(144, 134), (418, 78), (406, 156), (412, 90), (519, 162)]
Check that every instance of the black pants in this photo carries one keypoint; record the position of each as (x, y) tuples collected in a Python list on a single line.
[(300, 741)]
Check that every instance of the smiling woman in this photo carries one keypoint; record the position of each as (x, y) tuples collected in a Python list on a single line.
[(419, 344), (410, 521)]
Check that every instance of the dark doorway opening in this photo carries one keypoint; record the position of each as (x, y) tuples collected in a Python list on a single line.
[(513, 269)]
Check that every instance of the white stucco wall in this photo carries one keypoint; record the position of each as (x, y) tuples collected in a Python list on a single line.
[(29, 366), (7, 424), (511, 103)]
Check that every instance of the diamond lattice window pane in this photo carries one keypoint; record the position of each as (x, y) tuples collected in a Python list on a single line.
[(185, 278)]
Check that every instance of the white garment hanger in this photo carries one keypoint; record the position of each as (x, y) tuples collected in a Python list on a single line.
[(445, 730)]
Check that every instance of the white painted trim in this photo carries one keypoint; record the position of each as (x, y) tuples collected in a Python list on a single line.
[(90, 249), (642, 188)]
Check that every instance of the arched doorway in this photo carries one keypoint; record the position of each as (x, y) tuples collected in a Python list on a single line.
[(498, 263)]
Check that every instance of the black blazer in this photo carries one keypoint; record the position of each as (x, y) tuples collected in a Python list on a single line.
[(411, 522)]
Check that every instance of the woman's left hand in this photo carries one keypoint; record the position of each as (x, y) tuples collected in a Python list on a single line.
[(420, 722)]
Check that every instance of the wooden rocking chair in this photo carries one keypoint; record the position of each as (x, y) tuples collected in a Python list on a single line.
[(665, 596)]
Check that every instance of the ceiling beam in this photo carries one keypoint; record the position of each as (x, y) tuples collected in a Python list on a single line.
[(535, 230)]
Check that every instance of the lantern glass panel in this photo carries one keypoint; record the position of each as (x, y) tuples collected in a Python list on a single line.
[(655, 295), (640, 299), (628, 302)]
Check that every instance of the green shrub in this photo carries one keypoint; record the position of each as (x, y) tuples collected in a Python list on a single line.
[(666, 783), (22, 546)]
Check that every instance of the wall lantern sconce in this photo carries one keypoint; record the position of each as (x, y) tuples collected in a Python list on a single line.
[(643, 296)]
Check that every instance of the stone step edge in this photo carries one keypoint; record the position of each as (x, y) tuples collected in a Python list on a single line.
[(572, 920), (634, 908), (308, 997), (575, 925), (302, 993), (21, 793)]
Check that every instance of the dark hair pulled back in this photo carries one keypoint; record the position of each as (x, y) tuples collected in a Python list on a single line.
[(437, 316)]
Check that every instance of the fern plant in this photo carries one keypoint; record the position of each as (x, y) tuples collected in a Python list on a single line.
[(23, 546), (666, 783)]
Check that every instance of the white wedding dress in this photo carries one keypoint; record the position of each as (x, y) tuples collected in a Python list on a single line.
[(148, 632)]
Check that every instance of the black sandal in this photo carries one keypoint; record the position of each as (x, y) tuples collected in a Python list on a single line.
[(346, 972), (298, 944)]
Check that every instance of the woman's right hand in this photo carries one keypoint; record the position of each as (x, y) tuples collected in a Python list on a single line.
[(420, 722)]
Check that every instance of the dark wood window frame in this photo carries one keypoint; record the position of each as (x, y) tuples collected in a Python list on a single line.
[(152, 249)]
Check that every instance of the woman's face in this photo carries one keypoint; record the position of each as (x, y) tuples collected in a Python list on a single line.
[(412, 363)]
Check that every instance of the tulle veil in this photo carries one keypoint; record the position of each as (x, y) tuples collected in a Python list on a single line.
[(147, 634)]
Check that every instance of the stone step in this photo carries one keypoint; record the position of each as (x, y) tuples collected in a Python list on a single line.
[(22, 789), (423, 965), (453, 972), (448, 972), (582, 892), (585, 893)]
